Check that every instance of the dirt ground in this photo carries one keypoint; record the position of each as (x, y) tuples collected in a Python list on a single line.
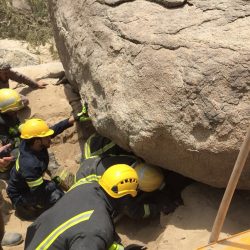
[(187, 228)]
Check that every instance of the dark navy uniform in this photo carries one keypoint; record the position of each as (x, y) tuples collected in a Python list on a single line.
[(91, 169), (98, 145), (26, 184), (81, 219)]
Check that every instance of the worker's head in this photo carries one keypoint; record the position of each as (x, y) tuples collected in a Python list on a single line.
[(119, 180), (10, 100), (150, 177), (37, 133)]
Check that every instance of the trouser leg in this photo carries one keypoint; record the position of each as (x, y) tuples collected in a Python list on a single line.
[(1, 227), (85, 129)]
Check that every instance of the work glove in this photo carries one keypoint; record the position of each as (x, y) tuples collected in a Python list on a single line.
[(64, 179), (135, 247), (83, 115), (50, 186)]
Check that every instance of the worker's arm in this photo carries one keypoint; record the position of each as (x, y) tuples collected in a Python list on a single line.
[(61, 126), (142, 210), (33, 175), (20, 78)]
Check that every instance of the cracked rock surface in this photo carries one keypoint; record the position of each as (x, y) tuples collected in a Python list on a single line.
[(167, 79)]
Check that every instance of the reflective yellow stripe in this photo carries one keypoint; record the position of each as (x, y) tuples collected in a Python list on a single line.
[(35, 183), (63, 175), (48, 241), (78, 184), (87, 151), (116, 246), (17, 162), (85, 180), (92, 177), (104, 149), (146, 211)]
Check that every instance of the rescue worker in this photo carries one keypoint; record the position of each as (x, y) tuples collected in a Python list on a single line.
[(87, 222), (10, 103), (155, 196), (151, 179), (7, 238), (97, 145), (6, 74), (29, 192)]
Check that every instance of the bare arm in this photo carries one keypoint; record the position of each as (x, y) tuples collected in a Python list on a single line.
[(20, 78)]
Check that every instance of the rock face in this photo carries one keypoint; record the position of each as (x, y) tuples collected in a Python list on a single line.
[(168, 80)]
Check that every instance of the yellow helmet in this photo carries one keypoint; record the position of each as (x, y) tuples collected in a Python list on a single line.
[(119, 180), (35, 128), (150, 177), (10, 100)]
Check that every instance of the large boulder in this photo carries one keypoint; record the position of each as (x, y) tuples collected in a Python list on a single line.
[(168, 80)]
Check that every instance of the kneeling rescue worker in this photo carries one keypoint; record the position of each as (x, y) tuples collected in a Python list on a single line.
[(82, 218), (29, 192)]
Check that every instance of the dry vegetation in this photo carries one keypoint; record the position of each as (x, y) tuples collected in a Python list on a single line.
[(31, 25)]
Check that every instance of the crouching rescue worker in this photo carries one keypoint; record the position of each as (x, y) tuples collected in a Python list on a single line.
[(155, 194), (151, 183), (10, 102), (82, 218), (29, 192)]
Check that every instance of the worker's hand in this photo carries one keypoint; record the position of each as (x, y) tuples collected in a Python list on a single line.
[(135, 247), (64, 179), (6, 160), (41, 85), (83, 115)]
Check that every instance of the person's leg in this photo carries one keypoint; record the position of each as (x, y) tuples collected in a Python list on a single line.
[(8, 239), (26, 208)]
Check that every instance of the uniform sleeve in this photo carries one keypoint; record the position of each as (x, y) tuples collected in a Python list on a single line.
[(92, 242), (139, 208), (20, 78), (31, 172), (60, 127), (33, 175), (141, 211)]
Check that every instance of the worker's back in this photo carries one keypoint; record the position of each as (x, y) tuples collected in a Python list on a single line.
[(79, 220), (98, 165)]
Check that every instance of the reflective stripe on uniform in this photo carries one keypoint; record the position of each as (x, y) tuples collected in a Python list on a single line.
[(87, 149), (116, 246), (85, 180), (17, 163), (87, 153), (48, 241), (146, 211), (63, 174), (35, 183)]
